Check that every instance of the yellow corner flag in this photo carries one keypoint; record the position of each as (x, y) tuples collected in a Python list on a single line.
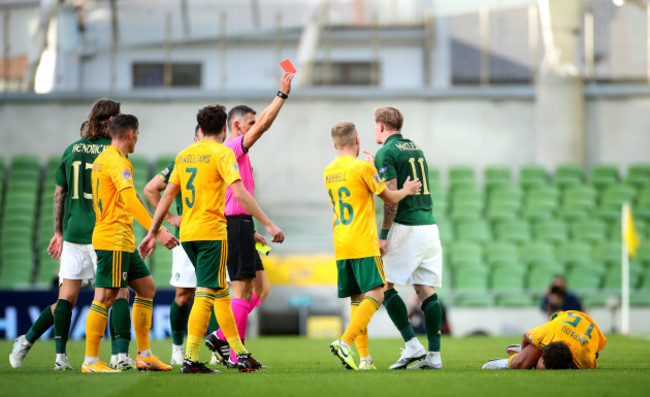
[(630, 235)]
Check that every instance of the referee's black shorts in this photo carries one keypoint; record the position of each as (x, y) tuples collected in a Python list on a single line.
[(243, 258)]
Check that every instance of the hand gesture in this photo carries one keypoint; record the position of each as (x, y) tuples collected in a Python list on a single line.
[(276, 232), (167, 239), (285, 83), (55, 246), (147, 245), (412, 186), (370, 157), (382, 247), (259, 238)]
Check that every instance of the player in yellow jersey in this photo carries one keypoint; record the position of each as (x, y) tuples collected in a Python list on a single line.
[(116, 204), (351, 184), (203, 171), (569, 340)]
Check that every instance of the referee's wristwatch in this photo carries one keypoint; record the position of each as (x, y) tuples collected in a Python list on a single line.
[(282, 95)]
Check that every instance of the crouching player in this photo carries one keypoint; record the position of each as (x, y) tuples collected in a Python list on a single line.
[(569, 340), (351, 184)]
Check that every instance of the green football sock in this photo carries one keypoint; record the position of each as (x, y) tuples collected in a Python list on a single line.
[(62, 319), (178, 316), (398, 314), (114, 350), (214, 324), (432, 321), (121, 323), (42, 324)]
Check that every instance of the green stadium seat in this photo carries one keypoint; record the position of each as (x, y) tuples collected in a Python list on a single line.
[(532, 175), (496, 175), (501, 211), (638, 175), (48, 268), (508, 288), (501, 253), (570, 214), (516, 230), (553, 230), (576, 254), (461, 172), (471, 286), (568, 175), (445, 228), (16, 268), (467, 252), (540, 275), (540, 253), (604, 175), (476, 230), (641, 296), (592, 231), (434, 177), (580, 196), (582, 280), (440, 202)]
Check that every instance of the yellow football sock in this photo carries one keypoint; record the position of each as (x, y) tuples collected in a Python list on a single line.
[(95, 326), (511, 358), (362, 340), (142, 308), (198, 323), (359, 319), (226, 320)]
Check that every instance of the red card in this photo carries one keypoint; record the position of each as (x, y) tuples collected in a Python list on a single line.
[(288, 66)]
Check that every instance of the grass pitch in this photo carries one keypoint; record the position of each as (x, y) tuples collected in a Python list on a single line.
[(304, 367)]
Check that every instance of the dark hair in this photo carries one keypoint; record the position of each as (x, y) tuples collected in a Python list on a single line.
[(212, 119), (122, 124), (238, 111), (99, 118), (83, 130), (557, 355), (196, 130)]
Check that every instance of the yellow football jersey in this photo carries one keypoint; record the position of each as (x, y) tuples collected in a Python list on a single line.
[(577, 330), (350, 184), (112, 172), (203, 171)]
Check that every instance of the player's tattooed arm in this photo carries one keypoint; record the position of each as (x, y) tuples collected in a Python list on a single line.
[(59, 208), (390, 210)]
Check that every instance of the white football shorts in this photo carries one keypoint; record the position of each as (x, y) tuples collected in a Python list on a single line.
[(183, 273), (78, 262), (413, 255)]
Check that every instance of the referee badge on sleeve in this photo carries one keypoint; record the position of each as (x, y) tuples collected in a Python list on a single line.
[(235, 166), (126, 174), (377, 178)]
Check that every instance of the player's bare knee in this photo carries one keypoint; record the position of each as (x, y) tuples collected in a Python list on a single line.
[(183, 297)]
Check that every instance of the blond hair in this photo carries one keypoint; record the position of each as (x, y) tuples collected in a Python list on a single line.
[(390, 117), (344, 134)]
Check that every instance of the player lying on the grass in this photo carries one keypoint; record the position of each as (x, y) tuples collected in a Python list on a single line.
[(74, 220), (350, 184), (202, 171), (569, 340)]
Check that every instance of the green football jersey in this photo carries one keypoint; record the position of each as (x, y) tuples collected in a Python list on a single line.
[(73, 175), (400, 158), (164, 175)]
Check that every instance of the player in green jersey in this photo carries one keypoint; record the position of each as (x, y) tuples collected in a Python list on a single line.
[(74, 220), (409, 240)]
